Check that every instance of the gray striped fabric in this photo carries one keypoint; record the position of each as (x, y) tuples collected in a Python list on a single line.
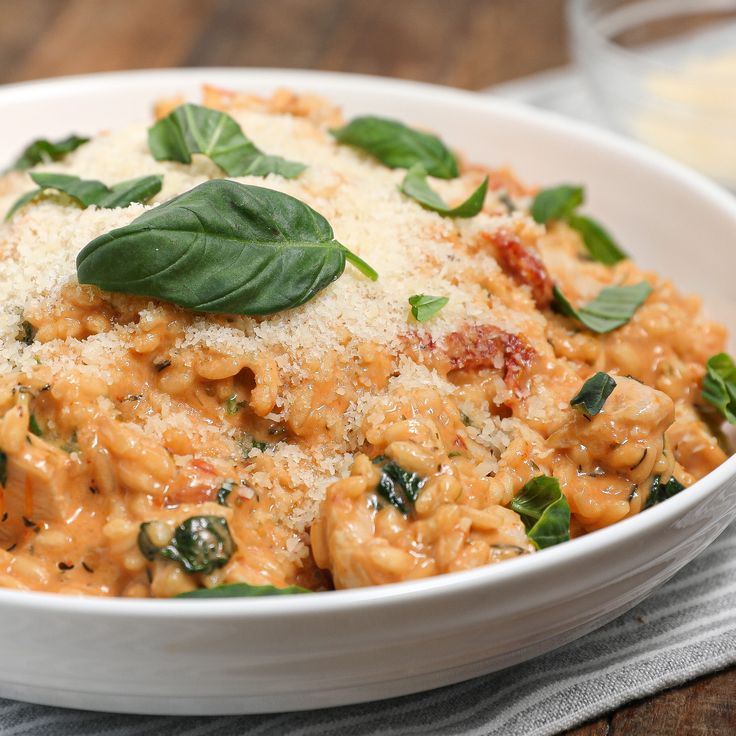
[(685, 629)]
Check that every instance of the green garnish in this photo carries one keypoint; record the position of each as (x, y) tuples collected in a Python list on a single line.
[(415, 186), (423, 306), (221, 247), (398, 486), (3, 468), (560, 203), (45, 151), (591, 397), (88, 192), (232, 405), (614, 306), (544, 510), (242, 590), (195, 129), (659, 491), (34, 427), (719, 385), (199, 544), (224, 491), (397, 146), (247, 443)]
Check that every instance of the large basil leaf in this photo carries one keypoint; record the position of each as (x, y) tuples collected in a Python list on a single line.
[(659, 491), (199, 544), (87, 192), (44, 151), (561, 203), (221, 247), (544, 510), (398, 146), (398, 486), (614, 306), (592, 396), (415, 186), (195, 129), (719, 385), (242, 590)]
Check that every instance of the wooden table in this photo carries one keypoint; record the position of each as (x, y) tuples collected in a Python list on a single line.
[(465, 43)]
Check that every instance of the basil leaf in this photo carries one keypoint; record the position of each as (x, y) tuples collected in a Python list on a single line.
[(87, 192), (398, 486), (591, 397), (544, 510), (3, 468), (415, 186), (397, 146), (44, 151), (221, 247), (242, 590), (423, 306), (599, 243), (34, 427), (659, 491), (199, 544), (556, 203), (224, 491), (719, 385), (560, 203), (195, 129), (614, 306)]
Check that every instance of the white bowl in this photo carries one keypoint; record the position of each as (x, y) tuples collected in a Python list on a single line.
[(287, 653)]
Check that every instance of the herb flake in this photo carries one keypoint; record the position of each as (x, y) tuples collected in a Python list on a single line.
[(593, 394), (415, 185), (424, 307)]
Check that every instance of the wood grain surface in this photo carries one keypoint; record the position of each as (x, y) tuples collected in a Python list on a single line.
[(464, 43)]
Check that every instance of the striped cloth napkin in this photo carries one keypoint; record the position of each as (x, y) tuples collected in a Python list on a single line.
[(684, 629)]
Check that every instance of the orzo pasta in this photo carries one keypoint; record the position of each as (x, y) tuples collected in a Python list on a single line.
[(358, 438)]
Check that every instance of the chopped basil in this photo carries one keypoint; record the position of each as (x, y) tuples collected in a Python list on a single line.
[(199, 544), (423, 306), (398, 486), (221, 247), (560, 203), (397, 146), (614, 306), (26, 333), (34, 427), (45, 151), (3, 468), (591, 397), (248, 443), (225, 490), (242, 590), (719, 385), (659, 491), (415, 186), (232, 405), (195, 129), (87, 192), (544, 510)]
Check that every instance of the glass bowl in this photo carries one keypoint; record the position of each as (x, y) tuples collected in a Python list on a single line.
[(664, 71)]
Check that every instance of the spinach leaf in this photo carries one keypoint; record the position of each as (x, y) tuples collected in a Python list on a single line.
[(221, 247), (195, 129), (397, 146), (556, 203), (544, 510), (591, 397), (614, 306), (415, 186), (719, 385), (34, 427), (199, 544), (560, 203), (88, 192), (242, 590), (423, 306), (44, 151), (3, 468), (398, 486), (659, 491)]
